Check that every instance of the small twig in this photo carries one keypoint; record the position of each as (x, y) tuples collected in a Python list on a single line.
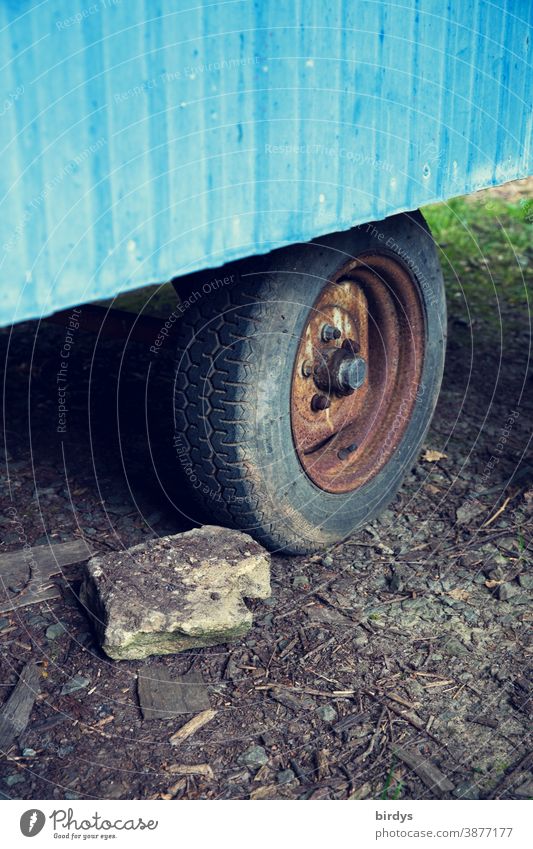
[(308, 690), (396, 698), (288, 648), (319, 648), (394, 600), (374, 737), (192, 726), (497, 513)]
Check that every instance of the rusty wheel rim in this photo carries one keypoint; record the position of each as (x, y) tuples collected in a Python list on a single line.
[(357, 372)]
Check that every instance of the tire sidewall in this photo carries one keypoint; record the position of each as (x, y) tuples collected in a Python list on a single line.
[(301, 510)]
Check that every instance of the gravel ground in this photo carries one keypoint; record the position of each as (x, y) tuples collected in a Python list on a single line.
[(396, 665)]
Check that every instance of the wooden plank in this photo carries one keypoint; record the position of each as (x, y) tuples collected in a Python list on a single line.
[(48, 559), (162, 697), (15, 713), (15, 602), (25, 574)]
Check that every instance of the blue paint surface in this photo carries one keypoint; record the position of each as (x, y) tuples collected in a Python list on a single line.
[(141, 141)]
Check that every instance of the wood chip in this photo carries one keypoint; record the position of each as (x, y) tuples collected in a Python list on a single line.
[(15, 713), (322, 765), (459, 595), (427, 772), (269, 791), (191, 769), (327, 615), (349, 721), (487, 721), (192, 726), (431, 455), (362, 792), (162, 697), (290, 701), (174, 789)]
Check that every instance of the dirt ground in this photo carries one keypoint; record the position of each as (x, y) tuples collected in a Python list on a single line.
[(407, 644)]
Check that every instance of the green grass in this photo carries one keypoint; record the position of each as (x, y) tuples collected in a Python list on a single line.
[(486, 246), (392, 788)]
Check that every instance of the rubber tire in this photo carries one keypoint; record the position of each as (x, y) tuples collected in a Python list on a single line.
[(238, 342)]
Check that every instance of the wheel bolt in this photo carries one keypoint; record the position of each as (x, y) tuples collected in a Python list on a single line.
[(329, 333), (345, 452), (320, 402), (307, 368)]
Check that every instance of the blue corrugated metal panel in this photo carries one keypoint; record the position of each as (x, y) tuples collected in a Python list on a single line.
[(144, 140)]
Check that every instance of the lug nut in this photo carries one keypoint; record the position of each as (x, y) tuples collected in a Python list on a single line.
[(320, 402), (351, 345), (307, 368), (351, 373), (329, 333)]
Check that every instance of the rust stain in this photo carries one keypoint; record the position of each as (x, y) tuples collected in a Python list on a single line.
[(375, 303)]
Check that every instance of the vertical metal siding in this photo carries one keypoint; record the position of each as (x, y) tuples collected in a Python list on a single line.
[(146, 140)]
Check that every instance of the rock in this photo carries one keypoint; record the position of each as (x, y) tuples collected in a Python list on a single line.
[(327, 561), (495, 573), (395, 582), (286, 776), (38, 621), (254, 757), (519, 598), (16, 778), (466, 790), (327, 713), (290, 701), (55, 631), (469, 558), (28, 753), (454, 647), (526, 581), (78, 682), (300, 581), (505, 591), (361, 641), (525, 791), (175, 593), (469, 511)]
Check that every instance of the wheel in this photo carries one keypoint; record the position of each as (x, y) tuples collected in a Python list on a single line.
[(306, 380)]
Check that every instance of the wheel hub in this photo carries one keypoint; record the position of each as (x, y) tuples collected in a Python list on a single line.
[(357, 372), (339, 370)]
